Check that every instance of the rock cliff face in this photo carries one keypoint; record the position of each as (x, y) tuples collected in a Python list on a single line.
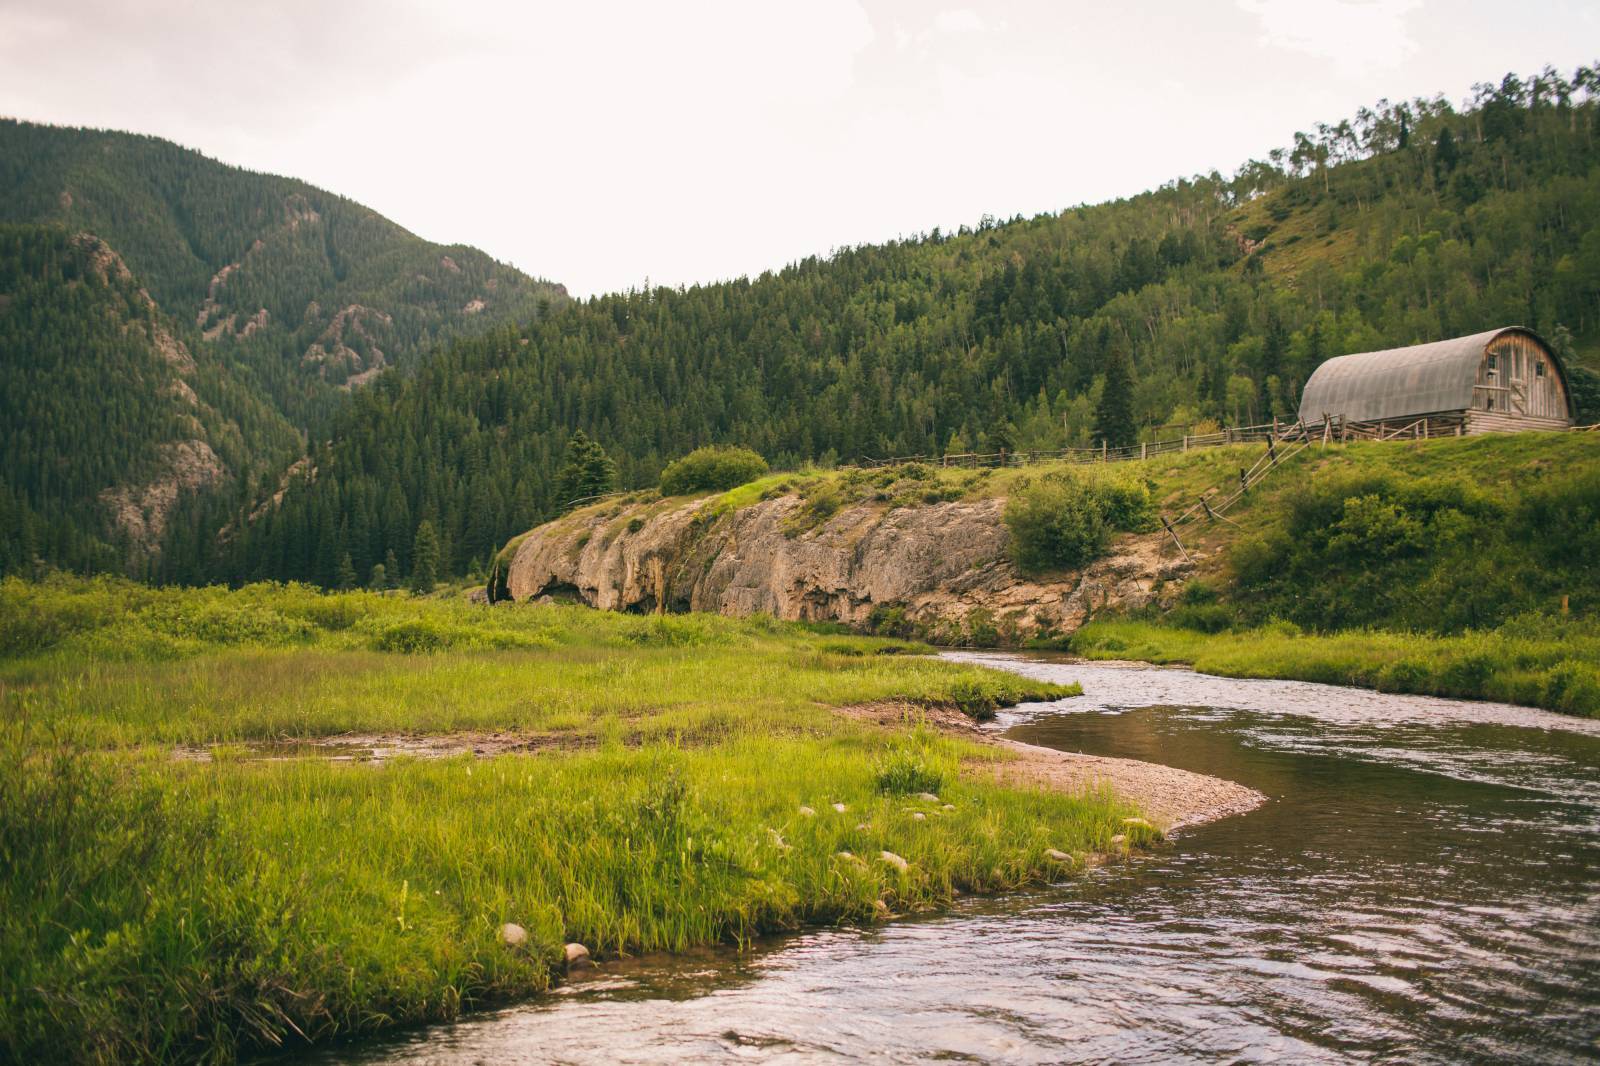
[(938, 571)]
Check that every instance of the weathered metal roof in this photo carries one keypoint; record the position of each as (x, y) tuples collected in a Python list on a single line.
[(1423, 379)]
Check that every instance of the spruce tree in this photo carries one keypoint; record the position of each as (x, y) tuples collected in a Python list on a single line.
[(380, 578), (425, 559), (345, 578), (1113, 419), (391, 570), (586, 471)]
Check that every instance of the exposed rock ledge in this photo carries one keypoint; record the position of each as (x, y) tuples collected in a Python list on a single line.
[(943, 566)]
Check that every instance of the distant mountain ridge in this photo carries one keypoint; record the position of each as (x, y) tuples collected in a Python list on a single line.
[(211, 315), (308, 289)]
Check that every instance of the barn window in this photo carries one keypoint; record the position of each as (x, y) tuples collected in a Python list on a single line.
[(1494, 363), (1538, 369)]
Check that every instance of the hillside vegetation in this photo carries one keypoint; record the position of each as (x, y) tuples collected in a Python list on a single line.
[(1220, 295), (1459, 567)]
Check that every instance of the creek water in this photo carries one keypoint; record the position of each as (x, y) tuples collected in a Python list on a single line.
[(1423, 886)]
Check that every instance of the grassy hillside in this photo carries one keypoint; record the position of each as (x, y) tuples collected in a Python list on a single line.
[(1415, 222), (1459, 567), (645, 784)]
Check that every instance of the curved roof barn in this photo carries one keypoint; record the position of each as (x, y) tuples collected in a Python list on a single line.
[(1504, 378)]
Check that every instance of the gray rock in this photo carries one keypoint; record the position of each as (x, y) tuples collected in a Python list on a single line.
[(841, 808), (513, 935), (894, 860), (927, 797), (578, 957), (1057, 856), (807, 811), (937, 561)]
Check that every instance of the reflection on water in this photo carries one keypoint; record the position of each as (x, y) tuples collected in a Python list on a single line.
[(1425, 886)]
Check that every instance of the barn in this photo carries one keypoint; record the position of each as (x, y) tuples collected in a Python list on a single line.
[(1499, 381)]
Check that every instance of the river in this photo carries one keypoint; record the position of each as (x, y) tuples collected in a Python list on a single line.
[(1423, 886)]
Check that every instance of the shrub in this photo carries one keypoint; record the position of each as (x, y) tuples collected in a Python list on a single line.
[(411, 637), (711, 469), (1063, 521)]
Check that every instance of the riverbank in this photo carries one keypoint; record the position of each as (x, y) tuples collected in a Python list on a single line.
[(1533, 662), (1168, 798), (647, 784)]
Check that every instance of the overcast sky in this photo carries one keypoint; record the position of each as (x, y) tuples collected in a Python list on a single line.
[(600, 144)]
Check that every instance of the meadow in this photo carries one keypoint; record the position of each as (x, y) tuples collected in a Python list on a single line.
[(679, 790)]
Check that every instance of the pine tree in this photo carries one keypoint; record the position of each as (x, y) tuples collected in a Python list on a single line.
[(380, 578), (425, 559), (1113, 419), (391, 570), (585, 471), (346, 578)]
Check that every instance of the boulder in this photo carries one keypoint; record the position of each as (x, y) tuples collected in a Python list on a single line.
[(578, 957), (1055, 855), (513, 935), (894, 860)]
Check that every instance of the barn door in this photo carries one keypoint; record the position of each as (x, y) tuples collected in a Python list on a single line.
[(1519, 380)]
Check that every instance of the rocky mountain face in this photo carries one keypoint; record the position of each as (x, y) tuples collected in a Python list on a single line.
[(938, 571)]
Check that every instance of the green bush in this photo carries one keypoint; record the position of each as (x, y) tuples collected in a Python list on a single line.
[(1063, 521), (711, 469)]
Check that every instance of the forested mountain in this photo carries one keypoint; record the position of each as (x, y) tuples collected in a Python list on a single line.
[(121, 250), (1411, 222), (306, 289), (110, 408)]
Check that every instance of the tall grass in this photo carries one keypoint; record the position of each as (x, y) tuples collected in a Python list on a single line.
[(163, 910), (1534, 661)]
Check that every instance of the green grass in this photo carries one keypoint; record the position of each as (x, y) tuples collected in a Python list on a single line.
[(166, 910), (1531, 661)]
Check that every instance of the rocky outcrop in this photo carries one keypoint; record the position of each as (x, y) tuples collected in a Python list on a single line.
[(141, 511), (937, 570)]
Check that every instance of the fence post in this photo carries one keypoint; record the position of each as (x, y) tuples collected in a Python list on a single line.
[(1186, 442), (1143, 450), (1102, 449)]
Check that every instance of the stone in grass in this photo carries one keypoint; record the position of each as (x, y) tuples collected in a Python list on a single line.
[(848, 856), (807, 811), (893, 860), (918, 816), (513, 935), (1120, 838), (1055, 855), (927, 797), (949, 807), (578, 957), (841, 808), (1139, 823)]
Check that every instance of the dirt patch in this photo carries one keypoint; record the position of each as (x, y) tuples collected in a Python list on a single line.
[(381, 747), (1170, 798)]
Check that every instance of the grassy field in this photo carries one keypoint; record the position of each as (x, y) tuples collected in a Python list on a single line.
[(165, 909), (1530, 661)]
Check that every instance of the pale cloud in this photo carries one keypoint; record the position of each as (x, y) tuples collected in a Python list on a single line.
[(605, 142), (1355, 35), (961, 20)]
